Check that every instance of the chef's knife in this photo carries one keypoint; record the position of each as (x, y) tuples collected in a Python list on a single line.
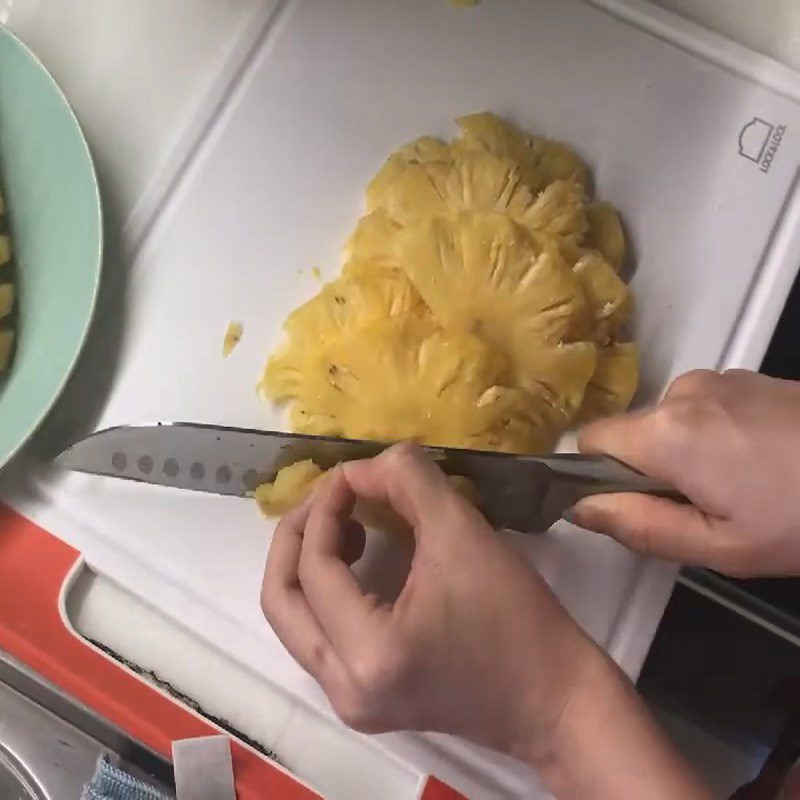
[(522, 493)]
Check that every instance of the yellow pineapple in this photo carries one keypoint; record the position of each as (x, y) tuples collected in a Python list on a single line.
[(541, 161), (290, 487), (479, 306), (403, 378), (558, 213), (485, 275), (351, 301), (373, 244), (605, 233), (341, 308), (613, 385), (609, 299)]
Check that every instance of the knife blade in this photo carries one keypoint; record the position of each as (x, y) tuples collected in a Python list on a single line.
[(517, 492)]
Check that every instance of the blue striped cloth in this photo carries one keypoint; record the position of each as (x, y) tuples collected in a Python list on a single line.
[(111, 783)]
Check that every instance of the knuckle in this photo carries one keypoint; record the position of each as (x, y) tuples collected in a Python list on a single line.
[(698, 381), (379, 671), (403, 454), (737, 374), (355, 712), (681, 418)]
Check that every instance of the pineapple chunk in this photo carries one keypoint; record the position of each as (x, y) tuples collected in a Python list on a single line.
[(291, 486), (614, 383), (5, 249), (233, 335)]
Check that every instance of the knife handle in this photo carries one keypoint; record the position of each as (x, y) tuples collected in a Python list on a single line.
[(576, 477), (607, 475)]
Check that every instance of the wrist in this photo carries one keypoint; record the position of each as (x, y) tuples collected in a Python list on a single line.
[(546, 709), (605, 744)]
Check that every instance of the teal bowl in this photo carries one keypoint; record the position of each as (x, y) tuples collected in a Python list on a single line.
[(55, 225)]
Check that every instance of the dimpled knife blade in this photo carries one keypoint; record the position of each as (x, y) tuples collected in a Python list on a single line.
[(522, 493)]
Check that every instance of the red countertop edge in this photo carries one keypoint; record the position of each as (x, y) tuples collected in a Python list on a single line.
[(33, 567)]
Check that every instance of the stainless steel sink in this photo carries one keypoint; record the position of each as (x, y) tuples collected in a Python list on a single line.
[(50, 745)]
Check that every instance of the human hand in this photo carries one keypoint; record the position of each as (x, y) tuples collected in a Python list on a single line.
[(731, 443), (475, 645)]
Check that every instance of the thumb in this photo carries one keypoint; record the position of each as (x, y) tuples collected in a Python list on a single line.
[(652, 526)]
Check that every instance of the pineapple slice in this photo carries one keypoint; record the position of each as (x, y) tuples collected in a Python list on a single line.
[(614, 383), (409, 189), (290, 487), (406, 179), (483, 274), (341, 309), (605, 233), (541, 161), (555, 377), (373, 243), (609, 299), (558, 213), (403, 378), (481, 181), (358, 297)]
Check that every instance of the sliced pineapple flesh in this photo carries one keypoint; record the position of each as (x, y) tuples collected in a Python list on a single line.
[(233, 335), (479, 304), (291, 486)]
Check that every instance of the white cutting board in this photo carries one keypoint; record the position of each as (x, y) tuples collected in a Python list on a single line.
[(276, 186)]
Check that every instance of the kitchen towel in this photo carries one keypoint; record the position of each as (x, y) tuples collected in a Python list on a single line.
[(111, 783)]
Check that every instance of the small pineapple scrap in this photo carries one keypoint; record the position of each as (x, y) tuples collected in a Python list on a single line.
[(480, 303), (233, 335), (7, 293), (291, 486)]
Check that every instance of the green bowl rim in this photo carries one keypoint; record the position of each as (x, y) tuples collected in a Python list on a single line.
[(28, 53)]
